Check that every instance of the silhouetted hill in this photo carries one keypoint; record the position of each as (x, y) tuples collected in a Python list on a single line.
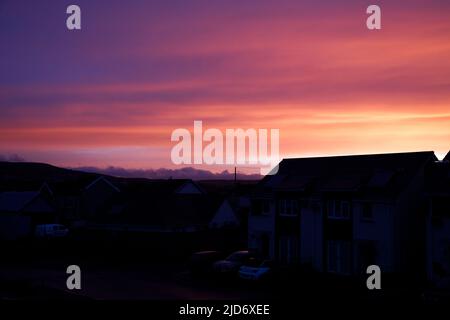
[(30, 176), (227, 187), (36, 170), (27, 176), (165, 173)]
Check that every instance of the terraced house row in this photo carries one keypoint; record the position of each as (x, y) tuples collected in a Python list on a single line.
[(342, 214)]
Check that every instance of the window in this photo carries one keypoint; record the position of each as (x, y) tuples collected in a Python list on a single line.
[(288, 207), (338, 209), (339, 257), (367, 213)]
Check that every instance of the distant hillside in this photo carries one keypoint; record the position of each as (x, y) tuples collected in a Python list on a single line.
[(164, 173), (225, 187), (30, 176), (33, 170)]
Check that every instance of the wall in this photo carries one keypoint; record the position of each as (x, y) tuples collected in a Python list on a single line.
[(311, 238), (379, 230), (224, 216), (262, 225)]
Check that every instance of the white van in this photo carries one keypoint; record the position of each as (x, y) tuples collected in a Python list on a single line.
[(51, 231)]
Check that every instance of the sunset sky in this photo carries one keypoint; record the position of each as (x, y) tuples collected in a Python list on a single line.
[(113, 92)]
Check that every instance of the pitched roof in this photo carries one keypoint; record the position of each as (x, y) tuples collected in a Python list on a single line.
[(148, 208), (438, 178), (152, 186), (228, 187), (102, 179), (388, 173), (157, 203), (16, 201), (72, 187), (447, 157)]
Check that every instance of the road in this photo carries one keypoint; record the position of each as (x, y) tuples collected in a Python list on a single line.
[(131, 282)]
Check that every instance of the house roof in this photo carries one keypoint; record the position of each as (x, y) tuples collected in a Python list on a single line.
[(438, 178), (375, 173), (228, 187), (100, 179), (70, 187), (158, 203), (16, 201), (153, 186), (157, 209), (447, 157)]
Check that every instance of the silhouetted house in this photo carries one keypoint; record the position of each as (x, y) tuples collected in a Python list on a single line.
[(75, 195), (226, 216), (438, 223), (232, 213), (342, 214), (21, 211), (447, 157), (158, 206), (97, 196), (68, 198)]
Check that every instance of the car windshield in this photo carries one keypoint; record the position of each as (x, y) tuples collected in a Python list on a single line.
[(237, 257)]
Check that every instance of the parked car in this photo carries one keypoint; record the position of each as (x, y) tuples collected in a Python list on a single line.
[(51, 231), (201, 263), (233, 262), (257, 271)]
